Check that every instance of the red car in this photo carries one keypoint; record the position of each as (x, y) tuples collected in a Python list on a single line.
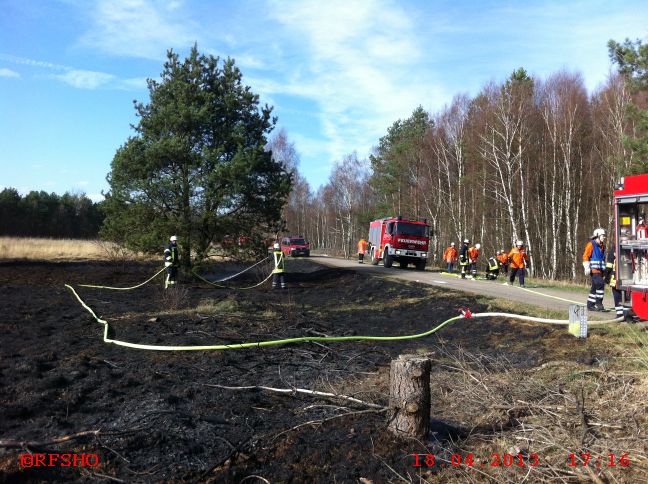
[(295, 246)]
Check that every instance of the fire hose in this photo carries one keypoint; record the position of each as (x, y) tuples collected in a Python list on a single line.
[(465, 314), (194, 273)]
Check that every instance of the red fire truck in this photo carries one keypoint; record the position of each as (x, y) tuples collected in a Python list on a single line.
[(631, 242), (394, 239)]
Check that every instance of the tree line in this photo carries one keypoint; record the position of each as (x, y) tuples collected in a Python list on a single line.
[(526, 158), (42, 214)]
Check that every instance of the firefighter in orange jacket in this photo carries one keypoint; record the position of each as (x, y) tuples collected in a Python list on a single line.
[(594, 264), (519, 259), (362, 248), (473, 253), (503, 259), (450, 256)]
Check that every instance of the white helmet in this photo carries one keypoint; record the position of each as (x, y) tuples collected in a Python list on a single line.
[(519, 243), (598, 232), (452, 244), (477, 246), (173, 238), (466, 241), (276, 245)]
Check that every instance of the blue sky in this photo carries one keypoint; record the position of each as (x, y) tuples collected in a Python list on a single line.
[(338, 73)]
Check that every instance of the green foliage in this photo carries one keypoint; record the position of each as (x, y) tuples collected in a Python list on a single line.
[(397, 152), (632, 59), (42, 214), (197, 166)]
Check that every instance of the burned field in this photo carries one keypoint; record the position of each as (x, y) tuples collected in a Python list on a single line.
[(499, 387)]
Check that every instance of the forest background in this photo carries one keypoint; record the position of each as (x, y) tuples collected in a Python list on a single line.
[(527, 158)]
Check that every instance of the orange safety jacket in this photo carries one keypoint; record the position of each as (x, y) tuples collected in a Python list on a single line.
[(362, 246), (518, 258), (503, 258), (450, 254), (473, 253)]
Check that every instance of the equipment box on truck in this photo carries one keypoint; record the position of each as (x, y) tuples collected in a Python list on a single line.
[(397, 240), (631, 242)]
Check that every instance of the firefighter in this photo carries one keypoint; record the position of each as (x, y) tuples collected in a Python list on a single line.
[(278, 273), (610, 278), (450, 257), (503, 259), (594, 264), (473, 253), (171, 262), (463, 258), (519, 259), (493, 267), (362, 248)]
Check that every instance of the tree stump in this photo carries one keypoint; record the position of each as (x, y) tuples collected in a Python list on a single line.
[(409, 396)]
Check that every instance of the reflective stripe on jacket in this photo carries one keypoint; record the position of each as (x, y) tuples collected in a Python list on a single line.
[(171, 254), (279, 261), (595, 255)]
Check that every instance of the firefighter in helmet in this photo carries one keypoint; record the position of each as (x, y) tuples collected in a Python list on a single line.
[(473, 254), (503, 260), (594, 265), (171, 262), (519, 260), (450, 257), (463, 258), (493, 267), (278, 273)]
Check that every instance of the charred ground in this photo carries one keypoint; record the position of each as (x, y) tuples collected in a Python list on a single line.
[(159, 416)]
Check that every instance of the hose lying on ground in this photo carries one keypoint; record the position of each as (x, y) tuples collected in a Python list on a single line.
[(200, 277), (322, 339)]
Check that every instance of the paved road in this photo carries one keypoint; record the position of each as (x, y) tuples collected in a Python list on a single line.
[(545, 298)]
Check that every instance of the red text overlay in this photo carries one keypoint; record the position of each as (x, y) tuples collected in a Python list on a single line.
[(59, 460)]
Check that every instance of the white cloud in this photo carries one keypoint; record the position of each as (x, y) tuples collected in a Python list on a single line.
[(4, 72), (30, 62), (139, 28), (85, 79), (361, 68)]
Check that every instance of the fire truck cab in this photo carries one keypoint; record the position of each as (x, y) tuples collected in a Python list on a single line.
[(394, 239), (631, 242)]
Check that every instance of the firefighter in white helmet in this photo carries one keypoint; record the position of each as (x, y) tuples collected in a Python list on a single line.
[(171, 262), (519, 260), (463, 258), (594, 265), (278, 273)]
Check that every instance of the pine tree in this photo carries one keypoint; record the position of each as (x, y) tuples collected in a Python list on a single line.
[(632, 59), (196, 167)]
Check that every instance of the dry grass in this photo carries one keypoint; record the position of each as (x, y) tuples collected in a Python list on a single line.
[(60, 249)]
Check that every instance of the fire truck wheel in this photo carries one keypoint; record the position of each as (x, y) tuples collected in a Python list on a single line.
[(387, 260), (374, 259), (420, 265)]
